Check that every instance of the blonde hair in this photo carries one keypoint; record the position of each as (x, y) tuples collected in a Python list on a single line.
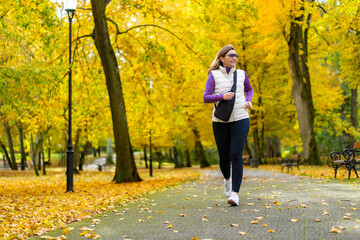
[(221, 53)]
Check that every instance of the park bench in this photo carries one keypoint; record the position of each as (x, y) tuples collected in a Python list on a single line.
[(346, 158), (293, 161)]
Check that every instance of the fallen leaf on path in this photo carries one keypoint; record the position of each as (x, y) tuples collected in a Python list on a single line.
[(259, 218), (340, 227), (317, 220), (195, 238), (346, 217), (87, 229), (182, 215), (234, 225), (335, 230), (242, 233), (65, 231), (47, 237), (271, 231), (204, 220), (176, 231), (255, 222), (303, 205), (325, 213), (140, 220), (97, 236), (84, 233), (294, 220), (166, 222), (250, 204), (170, 226), (264, 225)]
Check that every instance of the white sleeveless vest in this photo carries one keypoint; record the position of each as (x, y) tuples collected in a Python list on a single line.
[(223, 84)]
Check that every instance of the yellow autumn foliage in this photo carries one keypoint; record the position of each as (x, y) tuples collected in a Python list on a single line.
[(31, 205)]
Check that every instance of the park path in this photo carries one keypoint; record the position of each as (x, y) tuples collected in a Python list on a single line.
[(272, 206)]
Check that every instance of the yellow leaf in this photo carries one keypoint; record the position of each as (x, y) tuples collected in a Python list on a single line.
[(97, 236), (242, 233), (259, 218), (294, 220), (182, 215), (271, 231), (234, 225), (250, 204), (325, 213), (264, 225), (346, 217), (47, 237), (335, 230), (195, 238), (84, 233), (170, 226), (65, 231), (255, 222)]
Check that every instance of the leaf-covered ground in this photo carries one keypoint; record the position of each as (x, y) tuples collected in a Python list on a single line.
[(313, 171), (33, 205)]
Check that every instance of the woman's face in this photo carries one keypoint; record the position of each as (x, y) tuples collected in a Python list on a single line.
[(230, 59)]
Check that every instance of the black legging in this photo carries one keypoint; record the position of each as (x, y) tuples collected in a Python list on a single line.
[(230, 140)]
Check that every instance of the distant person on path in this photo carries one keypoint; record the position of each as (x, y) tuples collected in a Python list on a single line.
[(230, 136)]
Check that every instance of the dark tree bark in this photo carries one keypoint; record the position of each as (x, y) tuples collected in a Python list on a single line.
[(176, 157), (125, 163), (33, 156), (83, 154), (301, 89), (353, 114), (10, 144), (199, 149), (43, 157), (273, 147), (188, 160), (6, 154), (22, 148)]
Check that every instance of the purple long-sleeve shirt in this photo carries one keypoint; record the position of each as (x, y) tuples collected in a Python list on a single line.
[(210, 86)]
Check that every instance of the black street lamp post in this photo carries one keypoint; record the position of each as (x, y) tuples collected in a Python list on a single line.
[(150, 133), (70, 7)]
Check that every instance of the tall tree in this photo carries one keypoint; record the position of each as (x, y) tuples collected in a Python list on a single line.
[(125, 163), (301, 89)]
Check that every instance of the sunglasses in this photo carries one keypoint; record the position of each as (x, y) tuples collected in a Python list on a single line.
[(232, 55)]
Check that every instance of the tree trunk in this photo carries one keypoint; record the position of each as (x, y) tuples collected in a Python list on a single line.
[(301, 89), (176, 157), (273, 147), (10, 144), (33, 156), (109, 152), (188, 161), (6, 154), (145, 157), (22, 148), (43, 156), (256, 142), (354, 120), (83, 154), (125, 163), (199, 150), (77, 150)]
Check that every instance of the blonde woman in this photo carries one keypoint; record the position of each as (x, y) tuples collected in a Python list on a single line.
[(230, 136)]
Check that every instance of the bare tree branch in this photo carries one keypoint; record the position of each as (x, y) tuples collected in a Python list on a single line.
[(157, 26), (316, 31)]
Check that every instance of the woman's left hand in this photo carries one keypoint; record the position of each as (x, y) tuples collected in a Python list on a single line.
[(248, 105)]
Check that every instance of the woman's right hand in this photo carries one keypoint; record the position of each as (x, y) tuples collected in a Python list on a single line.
[(228, 96)]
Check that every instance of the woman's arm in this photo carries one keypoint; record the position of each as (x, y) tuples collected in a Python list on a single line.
[(248, 89), (209, 90)]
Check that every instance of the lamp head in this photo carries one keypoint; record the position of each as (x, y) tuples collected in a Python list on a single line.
[(70, 5)]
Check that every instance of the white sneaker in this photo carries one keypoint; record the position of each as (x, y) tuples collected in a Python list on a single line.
[(227, 188), (233, 199)]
